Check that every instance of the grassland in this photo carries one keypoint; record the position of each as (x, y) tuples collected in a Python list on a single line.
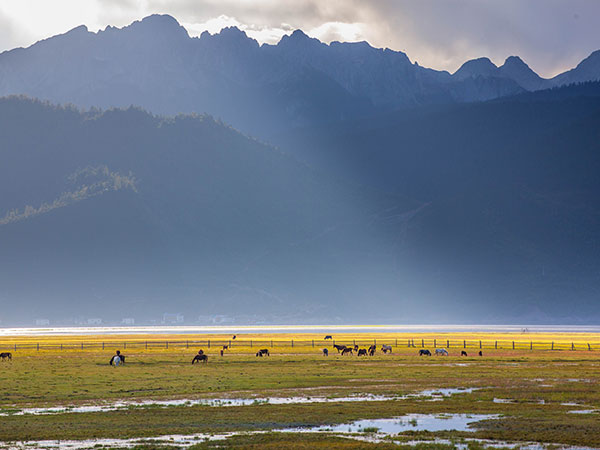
[(74, 377)]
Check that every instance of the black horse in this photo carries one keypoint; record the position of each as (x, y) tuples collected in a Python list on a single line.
[(6, 355), (338, 347), (328, 337), (263, 352), (200, 358), (362, 352), (424, 353), (463, 353), (347, 350), (372, 350)]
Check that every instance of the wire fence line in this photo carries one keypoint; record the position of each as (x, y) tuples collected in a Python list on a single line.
[(299, 344)]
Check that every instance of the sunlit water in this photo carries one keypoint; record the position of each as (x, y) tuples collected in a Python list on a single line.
[(266, 329)]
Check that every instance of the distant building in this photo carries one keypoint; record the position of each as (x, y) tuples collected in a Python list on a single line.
[(42, 322), (172, 318), (94, 321), (128, 321), (215, 319)]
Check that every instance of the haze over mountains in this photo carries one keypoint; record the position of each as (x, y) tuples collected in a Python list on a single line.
[(258, 89), (381, 191)]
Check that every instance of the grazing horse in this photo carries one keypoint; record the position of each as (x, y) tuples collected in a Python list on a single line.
[(441, 352), (225, 347), (424, 353), (200, 358), (328, 337), (347, 350), (355, 347), (463, 353), (480, 353), (6, 355), (325, 352), (386, 348), (262, 352), (338, 347), (372, 349), (362, 352)]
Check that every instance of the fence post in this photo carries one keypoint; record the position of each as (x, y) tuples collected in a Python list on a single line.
[(464, 344), (15, 347), (187, 344), (209, 343), (166, 344), (146, 345), (271, 343), (479, 344), (448, 343), (531, 345), (422, 343), (103, 346), (353, 342), (60, 347), (589, 348), (396, 342), (38, 346), (251, 343), (313, 343), (552, 345), (292, 343), (513, 345), (496, 345), (124, 345), (572, 346), (82, 346), (435, 343)]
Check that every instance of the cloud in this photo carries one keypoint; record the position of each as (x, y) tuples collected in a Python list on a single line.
[(551, 35)]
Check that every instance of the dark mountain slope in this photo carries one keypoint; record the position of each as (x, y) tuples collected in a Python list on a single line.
[(511, 188), (120, 213)]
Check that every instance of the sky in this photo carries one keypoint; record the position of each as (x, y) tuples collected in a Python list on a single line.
[(550, 35)]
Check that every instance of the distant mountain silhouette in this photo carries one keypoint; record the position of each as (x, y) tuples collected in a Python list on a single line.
[(259, 89), (512, 195), (122, 214)]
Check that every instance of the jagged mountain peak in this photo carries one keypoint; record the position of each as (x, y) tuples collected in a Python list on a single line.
[(158, 25), (476, 67)]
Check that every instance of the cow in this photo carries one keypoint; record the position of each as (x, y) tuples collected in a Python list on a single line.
[(463, 353), (386, 348), (338, 347), (362, 352), (328, 337), (6, 355), (325, 352), (347, 350), (200, 358), (441, 352), (262, 352), (424, 352)]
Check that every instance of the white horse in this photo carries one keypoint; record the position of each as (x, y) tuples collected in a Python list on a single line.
[(441, 352)]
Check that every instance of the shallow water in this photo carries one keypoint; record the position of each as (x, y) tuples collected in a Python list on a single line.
[(431, 394), (326, 329), (411, 422)]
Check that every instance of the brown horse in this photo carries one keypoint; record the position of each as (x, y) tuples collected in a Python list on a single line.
[(6, 355), (263, 352), (347, 350), (200, 358)]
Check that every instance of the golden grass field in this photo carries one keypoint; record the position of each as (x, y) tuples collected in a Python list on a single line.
[(543, 386)]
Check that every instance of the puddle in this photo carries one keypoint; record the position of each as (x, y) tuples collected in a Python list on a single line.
[(429, 394), (409, 422), (512, 400), (583, 411)]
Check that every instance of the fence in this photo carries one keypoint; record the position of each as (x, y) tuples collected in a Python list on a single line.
[(291, 344)]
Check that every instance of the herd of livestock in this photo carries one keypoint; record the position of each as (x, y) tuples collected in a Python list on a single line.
[(119, 358)]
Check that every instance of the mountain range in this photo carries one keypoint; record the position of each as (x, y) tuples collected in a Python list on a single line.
[(259, 89), (374, 190)]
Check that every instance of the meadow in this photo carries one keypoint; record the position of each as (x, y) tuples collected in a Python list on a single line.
[(530, 394)]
